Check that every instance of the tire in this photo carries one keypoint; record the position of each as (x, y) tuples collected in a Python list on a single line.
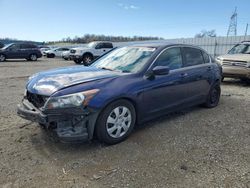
[(50, 55), (213, 97), (65, 58), (246, 80), (116, 122), (2, 58), (77, 61), (87, 59), (33, 57)]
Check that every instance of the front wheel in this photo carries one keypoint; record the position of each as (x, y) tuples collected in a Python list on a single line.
[(87, 59), (213, 97), (116, 122)]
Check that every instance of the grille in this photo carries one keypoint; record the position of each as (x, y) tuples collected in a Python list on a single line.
[(72, 51), (235, 63), (37, 100)]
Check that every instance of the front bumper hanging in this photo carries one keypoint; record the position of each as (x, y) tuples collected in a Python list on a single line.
[(70, 125)]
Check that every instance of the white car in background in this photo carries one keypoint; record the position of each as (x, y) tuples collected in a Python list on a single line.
[(44, 49), (85, 55), (56, 52)]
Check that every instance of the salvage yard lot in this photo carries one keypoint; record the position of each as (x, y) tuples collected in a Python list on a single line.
[(196, 147)]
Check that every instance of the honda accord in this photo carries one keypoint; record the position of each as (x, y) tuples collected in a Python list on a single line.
[(125, 87)]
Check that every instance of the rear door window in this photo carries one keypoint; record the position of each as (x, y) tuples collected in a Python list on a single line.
[(192, 56), (171, 58), (108, 45)]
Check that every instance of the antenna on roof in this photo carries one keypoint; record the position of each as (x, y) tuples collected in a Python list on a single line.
[(232, 29)]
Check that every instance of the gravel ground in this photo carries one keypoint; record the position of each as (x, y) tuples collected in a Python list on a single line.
[(196, 147)]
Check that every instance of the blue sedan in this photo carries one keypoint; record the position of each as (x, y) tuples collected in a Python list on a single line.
[(127, 86)]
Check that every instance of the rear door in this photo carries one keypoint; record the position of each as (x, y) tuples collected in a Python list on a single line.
[(25, 50), (101, 48), (197, 74)]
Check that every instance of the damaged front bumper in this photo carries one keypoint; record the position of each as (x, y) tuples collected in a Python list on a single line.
[(71, 124)]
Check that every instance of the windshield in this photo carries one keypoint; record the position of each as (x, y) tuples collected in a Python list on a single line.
[(91, 45), (240, 49), (7, 46), (125, 59)]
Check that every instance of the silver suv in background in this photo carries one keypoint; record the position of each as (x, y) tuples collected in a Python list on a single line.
[(236, 64)]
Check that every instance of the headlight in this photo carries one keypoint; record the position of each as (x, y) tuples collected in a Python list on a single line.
[(72, 100), (219, 60)]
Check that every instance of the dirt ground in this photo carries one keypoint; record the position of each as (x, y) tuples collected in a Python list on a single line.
[(196, 147)]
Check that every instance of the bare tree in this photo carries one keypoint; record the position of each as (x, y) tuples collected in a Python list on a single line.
[(205, 33)]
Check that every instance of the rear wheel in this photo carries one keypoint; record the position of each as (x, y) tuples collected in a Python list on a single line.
[(33, 57), (87, 59), (2, 58), (213, 97), (116, 122)]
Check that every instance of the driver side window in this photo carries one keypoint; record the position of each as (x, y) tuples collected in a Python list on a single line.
[(14, 47), (171, 58)]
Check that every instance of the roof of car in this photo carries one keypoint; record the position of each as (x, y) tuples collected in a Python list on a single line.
[(162, 44), (246, 42)]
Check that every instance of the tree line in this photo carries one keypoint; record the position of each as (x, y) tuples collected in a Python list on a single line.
[(92, 37)]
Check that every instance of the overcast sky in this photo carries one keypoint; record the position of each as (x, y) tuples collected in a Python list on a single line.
[(46, 20)]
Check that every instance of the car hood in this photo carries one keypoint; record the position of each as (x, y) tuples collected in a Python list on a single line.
[(235, 57), (48, 82)]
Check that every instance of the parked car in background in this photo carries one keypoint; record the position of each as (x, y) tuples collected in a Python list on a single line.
[(44, 50), (236, 64), (1, 45), (20, 51), (56, 52), (85, 55), (66, 55), (127, 85)]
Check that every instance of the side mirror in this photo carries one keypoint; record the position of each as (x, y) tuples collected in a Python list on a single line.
[(161, 70), (97, 47)]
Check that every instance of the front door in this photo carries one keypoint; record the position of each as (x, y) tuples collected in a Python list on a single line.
[(14, 51), (166, 91)]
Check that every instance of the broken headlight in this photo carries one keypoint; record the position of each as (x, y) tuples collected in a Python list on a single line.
[(71, 100)]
